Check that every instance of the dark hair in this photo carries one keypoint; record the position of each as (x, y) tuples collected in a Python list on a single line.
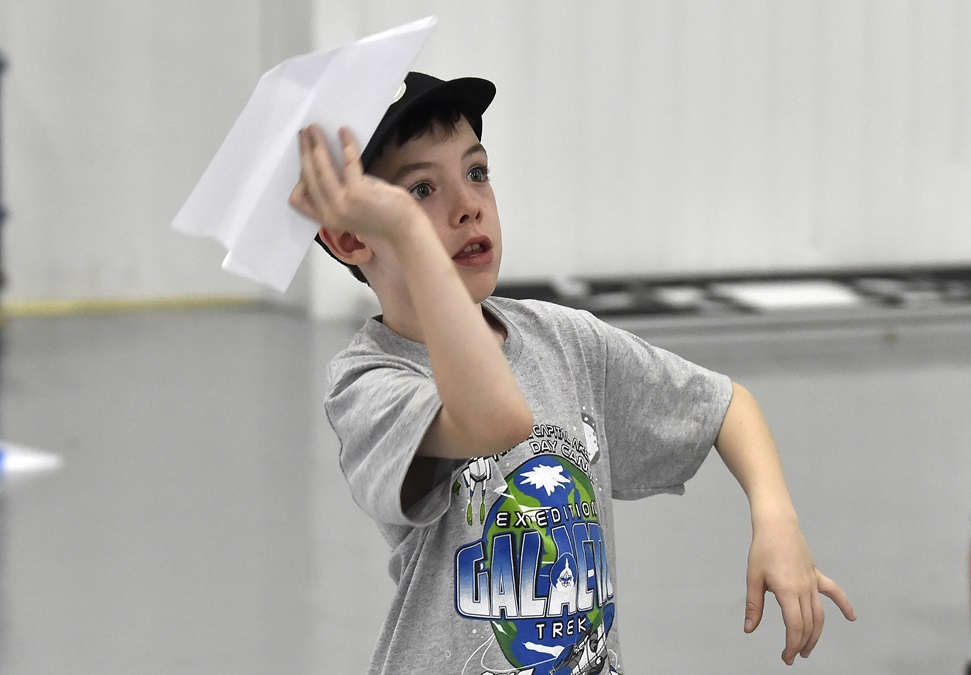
[(445, 113), (422, 120)]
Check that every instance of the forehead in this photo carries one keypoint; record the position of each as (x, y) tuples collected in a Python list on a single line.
[(438, 146)]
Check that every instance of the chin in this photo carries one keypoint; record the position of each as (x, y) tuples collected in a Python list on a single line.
[(480, 282), (481, 287)]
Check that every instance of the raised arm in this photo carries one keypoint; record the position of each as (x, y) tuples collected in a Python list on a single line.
[(779, 558), (483, 409)]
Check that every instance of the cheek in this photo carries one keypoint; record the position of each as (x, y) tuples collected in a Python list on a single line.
[(436, 213), (495, 227)]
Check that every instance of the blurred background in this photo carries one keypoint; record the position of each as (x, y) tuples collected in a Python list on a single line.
[(780, 190), (637, 138)]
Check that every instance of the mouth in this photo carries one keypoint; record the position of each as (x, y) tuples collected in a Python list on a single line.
[(474, 247), (476, 251)]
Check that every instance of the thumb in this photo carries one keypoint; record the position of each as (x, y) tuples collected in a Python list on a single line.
[(754, 603)]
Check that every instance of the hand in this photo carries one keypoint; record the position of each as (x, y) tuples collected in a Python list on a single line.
[(780, 562), (356, 202)]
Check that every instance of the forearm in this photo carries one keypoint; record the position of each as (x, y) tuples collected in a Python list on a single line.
[(779, 559), (746, 446), (483, 409)]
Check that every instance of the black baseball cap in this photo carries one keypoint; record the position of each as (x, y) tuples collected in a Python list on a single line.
[(472, 94)]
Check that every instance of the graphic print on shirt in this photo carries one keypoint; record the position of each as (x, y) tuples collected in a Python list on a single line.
[(476, 475), (539, 573), (590, 432)]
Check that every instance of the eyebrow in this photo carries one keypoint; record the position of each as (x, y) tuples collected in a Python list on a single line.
[(421, 166)]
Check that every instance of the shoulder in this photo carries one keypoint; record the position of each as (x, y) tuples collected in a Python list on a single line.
[(543, 315), (545, 328), (376, 349)]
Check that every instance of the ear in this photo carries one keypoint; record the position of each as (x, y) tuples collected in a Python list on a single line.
[(345, 246)]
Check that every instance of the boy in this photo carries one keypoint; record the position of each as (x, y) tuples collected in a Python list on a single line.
[(486, 436)]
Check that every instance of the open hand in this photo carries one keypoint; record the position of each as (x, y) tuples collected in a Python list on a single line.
[(780, 562), (353, 201)]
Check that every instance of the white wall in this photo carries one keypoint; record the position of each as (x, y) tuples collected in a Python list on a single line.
[(112, 110), (643, 136), (647, 136)]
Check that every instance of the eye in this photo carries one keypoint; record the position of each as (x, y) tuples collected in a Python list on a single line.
[(421, 191), (479, 174)]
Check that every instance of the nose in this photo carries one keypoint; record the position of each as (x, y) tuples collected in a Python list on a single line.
[(468, 206)]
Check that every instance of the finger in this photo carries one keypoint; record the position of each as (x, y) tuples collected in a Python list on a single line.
[(300, 197), (299, 201), (754, 604), (318, 193), (352, 154), (311, 195), (327, 176), (818, 620), (792, 617), (808, 625), (831, 590)]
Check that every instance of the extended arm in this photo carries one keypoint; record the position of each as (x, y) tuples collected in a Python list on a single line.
[(779, 559)]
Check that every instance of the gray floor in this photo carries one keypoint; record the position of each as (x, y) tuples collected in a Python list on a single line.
[(200, 523)]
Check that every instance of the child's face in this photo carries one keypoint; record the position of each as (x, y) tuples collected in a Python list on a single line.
[(448, 174)]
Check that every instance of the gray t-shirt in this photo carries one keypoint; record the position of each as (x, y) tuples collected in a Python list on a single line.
[(505, 565)]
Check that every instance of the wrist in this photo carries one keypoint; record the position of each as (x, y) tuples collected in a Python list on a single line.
[(411, 232), (773, 513), (770, 502)]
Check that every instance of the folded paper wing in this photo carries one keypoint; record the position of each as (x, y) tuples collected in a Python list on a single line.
[(242, 198)]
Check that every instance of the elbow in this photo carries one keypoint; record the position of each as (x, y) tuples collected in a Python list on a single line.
[(484, 434), (520, 425), (503, 428)]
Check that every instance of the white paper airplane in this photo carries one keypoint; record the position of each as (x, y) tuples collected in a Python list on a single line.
[(242, 199)]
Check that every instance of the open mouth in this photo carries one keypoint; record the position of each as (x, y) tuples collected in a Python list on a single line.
[(475, 251), (474, 248)]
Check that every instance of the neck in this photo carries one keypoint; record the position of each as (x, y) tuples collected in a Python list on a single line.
[(408, 326)]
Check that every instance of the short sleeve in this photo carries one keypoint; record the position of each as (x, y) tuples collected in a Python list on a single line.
[(662, 414), (380, 411)]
